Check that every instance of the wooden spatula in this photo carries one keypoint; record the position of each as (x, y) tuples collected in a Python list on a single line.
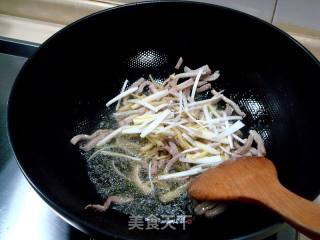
[(254, 179)]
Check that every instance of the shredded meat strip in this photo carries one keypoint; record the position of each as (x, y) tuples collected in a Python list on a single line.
[(137, 83), (205, 68), (122, 115), (91, 144), (154, 167), (165, 82), (210, 78), (179, 63), (246, 147), (108, 202), (172, 148), (204, 88), (173, 83), (230, 102), (90, 141), (229, 110), (201, 83), (161, 163), (127, 120), (187, 69), (187, 91), (258, 139), (171, 162), (185, 84)]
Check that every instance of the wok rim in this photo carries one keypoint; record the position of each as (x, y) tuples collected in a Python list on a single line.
[(72, 219)]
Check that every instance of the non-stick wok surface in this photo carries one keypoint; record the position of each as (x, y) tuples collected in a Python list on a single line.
[(69, 80)]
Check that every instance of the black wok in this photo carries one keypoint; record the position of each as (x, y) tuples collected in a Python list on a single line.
[(73, 74)]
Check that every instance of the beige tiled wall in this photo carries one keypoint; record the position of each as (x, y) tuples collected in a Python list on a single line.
[(302, 20), (54, 11), (302, 13), (36, 20), (259, 8), (27, 29)]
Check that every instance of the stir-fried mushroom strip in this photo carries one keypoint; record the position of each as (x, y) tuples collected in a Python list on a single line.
[(173, 133)]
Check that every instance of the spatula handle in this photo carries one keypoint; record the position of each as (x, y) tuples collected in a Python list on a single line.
[(302, 214)]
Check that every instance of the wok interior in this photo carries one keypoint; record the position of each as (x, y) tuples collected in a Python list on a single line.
[(70, 79)]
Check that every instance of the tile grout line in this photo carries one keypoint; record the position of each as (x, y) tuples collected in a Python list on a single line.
[(274, 11)]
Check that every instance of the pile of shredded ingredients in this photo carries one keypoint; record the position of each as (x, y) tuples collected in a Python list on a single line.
[(165, 135)]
